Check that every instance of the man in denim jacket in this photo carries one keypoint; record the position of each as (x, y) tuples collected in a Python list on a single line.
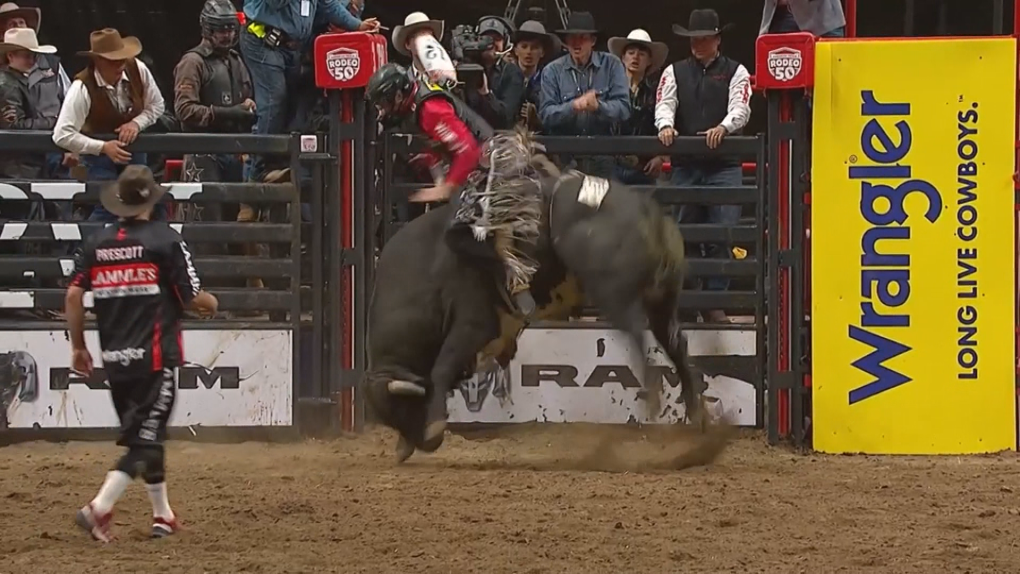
[(584, 93)]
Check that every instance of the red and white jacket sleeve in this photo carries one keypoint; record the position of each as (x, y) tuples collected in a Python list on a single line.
[(738, 109)]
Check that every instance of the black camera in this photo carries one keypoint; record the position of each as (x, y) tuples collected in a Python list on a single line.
[(466, 48)]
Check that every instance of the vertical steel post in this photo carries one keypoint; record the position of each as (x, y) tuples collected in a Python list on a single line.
[(334, 259), (361, 215), (346, 230)]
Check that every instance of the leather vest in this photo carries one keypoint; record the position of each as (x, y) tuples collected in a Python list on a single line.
[(104, 116), (474, 122), (703, 95), (44, 85), (226, 84)]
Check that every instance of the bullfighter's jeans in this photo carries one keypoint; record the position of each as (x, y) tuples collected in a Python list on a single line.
[(784, 23), (102, 168), (274, 74), (690, 176)]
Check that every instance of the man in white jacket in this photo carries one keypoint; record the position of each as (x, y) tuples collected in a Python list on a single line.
[(705, 95)]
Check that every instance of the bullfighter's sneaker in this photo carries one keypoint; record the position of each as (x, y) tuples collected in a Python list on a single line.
[(98, 526), (162, 527)]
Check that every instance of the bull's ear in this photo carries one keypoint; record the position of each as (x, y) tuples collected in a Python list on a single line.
[(406, 388)]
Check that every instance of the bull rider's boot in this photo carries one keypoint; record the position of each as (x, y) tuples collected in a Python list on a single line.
[(525, 302)]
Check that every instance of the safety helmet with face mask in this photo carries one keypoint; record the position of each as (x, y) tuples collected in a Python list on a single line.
[(219, 16)]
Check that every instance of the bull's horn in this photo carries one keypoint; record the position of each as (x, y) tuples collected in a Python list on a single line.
[(405, 388)]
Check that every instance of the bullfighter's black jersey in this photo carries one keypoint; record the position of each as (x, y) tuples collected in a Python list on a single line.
[(141, 275)]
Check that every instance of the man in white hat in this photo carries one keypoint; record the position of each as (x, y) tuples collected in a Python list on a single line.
[(533, 46), (47, 80), (419, 38), (114, 94), (642, 60), (19, 107)]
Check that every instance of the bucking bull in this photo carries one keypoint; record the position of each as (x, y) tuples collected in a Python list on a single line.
[(437, 314)]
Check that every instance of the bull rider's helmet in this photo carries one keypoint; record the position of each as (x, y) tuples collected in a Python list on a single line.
[(386, 84), (219, 23)]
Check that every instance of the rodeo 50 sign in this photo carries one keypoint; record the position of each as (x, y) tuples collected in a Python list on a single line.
[(913, 248)]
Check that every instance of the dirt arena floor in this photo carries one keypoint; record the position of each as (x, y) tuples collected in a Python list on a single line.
[(523, 502)]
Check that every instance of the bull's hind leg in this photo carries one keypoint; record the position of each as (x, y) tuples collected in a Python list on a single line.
[(466, 338), (628, 315), (665, 325)]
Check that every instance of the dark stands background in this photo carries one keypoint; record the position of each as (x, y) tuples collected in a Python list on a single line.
[(169, 27)]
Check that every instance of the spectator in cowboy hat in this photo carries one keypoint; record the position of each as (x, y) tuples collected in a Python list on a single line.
[(820, 17), (47, 79), (643, 59), (19, 106), (533, 46), (419, 38), (114, 94), (584, 92), (705, 95)]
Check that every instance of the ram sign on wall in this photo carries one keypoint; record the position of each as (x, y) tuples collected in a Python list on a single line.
[(231, 378), (587, 375)]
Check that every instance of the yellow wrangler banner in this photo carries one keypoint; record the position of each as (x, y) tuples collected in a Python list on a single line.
[(913, 251)]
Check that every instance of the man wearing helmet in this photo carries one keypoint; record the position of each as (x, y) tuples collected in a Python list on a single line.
[(449, 122), (213, 93)]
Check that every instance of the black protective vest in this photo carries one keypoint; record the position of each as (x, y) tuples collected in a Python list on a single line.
[(224, 86), (474, 122), (703, 96)]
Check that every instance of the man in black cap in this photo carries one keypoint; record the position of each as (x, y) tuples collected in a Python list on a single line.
[(705, 95), (142, 279), (499, 97), (585, 92)]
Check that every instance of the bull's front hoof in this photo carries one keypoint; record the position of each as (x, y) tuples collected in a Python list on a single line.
[(405, 388), (433, 438), (404, 449)]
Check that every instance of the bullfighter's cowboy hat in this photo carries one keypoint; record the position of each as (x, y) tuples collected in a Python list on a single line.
[(415, 21), (24, 39), (639, 37), (32, 16), (134, 192), (579, 23), (702, 23), (109, 45), (534, 30)]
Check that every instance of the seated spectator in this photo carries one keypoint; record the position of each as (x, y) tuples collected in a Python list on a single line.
[(643, 59), (51, 78), (820, 17), (705, 95), (498, 98), (20, 108), (532, 46), (114, 94), (584, 92)]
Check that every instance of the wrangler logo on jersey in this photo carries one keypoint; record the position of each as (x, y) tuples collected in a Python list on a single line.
[(114, 281)]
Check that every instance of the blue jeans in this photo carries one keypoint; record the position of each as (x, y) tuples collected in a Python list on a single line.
[(690, 176), (783, 23), (274, 74), (102, 168)]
